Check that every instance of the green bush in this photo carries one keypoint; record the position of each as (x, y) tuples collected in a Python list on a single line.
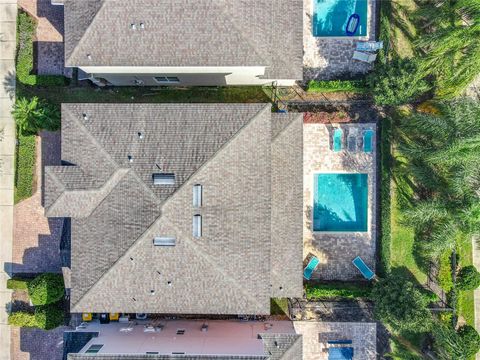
[(337, 290), (401, 304), (24, 167), (397, 82), (24, 63), (33, 115), (470, 339), (22, 319), (445, 272), (46, 289), (385, 200), (356, 86), (17, 284), (49, 316), (468, 278)]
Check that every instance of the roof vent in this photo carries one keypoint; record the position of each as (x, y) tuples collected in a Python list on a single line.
[(163, 179), (130, 158), (152, 292), (164, 241), (89, 56), (85, 116), (169, 283), (133, 26), (140, 135), (197, 225), (180, 331), (197, 195), (142, 26)]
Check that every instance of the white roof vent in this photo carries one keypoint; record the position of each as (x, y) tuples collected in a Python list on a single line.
[(164, 241), (163, 179), (197, 195), (197, 225), (133, 26)]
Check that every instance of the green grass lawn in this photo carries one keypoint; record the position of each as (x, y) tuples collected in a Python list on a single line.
[(24, 167), (466, 306)]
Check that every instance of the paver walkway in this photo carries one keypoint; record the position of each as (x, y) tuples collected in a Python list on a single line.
[(8, 16), (36, 246)]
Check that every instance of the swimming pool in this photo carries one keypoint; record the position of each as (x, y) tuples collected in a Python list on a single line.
[(340, 202), (330, 17)]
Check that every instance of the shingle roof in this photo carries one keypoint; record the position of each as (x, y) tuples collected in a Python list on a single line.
[(186, 33), (117, 211)]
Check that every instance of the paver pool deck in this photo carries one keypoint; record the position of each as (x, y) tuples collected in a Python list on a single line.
[(336, 250)]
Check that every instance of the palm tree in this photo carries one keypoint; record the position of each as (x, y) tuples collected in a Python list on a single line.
[(451, 44)]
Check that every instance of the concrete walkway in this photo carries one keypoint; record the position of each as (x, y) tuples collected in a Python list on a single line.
[(8, 16)]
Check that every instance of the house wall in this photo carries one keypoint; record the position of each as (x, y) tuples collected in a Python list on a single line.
[(188, 76)]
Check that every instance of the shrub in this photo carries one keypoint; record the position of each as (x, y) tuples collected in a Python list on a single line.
[(385, 200), (33, 115), (46, 289), (17, 284), (22, 319), (337, 290), (401, 304), (49, 316), (397, 82), (25, 156), (470, 339), (445, 271), (356, 86), (468, 278)]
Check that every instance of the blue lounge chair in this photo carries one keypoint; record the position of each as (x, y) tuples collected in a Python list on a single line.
[(369, 45), (310, 268), (363, 268), (368, 141), (337, 140), (340, 353)]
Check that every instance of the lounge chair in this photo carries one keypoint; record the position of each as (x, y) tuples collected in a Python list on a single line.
[(352, 140), (368, 141), (337, 140), (369, 45), (363, 268), (310, 268), (364, 57)]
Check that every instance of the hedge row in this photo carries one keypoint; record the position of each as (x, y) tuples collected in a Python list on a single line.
[(340, 290), (324, 86), (45, 317), (17, 284)]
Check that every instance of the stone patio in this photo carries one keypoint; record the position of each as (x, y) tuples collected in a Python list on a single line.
[(49, 35), (317, 334), (336, 250), (36, 344), (328, 58)]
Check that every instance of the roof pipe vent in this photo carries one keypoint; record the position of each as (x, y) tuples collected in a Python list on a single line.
[(133, 26), (85, 116)]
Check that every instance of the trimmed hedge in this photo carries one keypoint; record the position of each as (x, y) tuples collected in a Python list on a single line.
[(22, 319), (468, 278), (46, 289), (337, 290), (49, 316), (18, 284), (445, 278), (324, 86)]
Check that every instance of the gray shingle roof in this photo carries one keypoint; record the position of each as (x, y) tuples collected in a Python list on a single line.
[(249, 245), (184, 33)]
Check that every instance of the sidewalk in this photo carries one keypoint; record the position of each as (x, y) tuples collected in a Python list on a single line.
[(8, 15)]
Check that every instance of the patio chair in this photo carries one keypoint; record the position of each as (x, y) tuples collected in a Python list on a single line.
[(337, 140), (364, 57), (310, 268), (352, 140), (369, 45), (368, 141), (363, 268)]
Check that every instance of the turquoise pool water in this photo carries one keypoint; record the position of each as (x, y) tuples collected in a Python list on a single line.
[(330, 17), (340, 202)]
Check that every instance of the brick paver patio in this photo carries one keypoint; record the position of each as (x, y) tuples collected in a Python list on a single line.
[(317, 334), (330, 58), (36, 246), (49, 35), (36, 344), (336, 250)]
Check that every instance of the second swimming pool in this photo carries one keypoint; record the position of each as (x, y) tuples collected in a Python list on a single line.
[(340, 202), (330, 17)]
